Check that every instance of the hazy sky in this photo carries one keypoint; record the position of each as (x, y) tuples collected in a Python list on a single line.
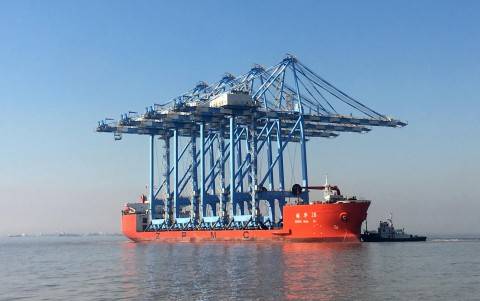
[(64, 65)]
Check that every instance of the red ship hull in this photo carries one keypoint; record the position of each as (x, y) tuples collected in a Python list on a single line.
[(339, 221)]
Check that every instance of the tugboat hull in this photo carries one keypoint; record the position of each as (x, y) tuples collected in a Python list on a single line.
[(367, 237)]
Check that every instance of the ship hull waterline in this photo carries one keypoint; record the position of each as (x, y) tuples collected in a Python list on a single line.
[(322, 222)]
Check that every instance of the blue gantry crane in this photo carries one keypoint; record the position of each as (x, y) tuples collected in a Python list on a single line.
[(226, 127)]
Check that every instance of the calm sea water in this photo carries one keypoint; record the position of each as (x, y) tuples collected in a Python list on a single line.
[(106, 268)]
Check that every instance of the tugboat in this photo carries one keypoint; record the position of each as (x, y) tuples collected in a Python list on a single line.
[(386, 232)]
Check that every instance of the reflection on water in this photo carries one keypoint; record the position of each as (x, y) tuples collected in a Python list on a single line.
[(106, 268), (321, 271), (264, 271), (299, 271)]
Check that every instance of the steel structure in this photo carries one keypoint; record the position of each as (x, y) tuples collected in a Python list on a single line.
[(225, 127)]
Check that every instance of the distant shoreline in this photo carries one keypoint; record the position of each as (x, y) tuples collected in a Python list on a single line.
[(59, 234)]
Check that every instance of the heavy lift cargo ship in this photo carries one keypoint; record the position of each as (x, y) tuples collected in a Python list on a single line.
[(336, 218), (237, 131)]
